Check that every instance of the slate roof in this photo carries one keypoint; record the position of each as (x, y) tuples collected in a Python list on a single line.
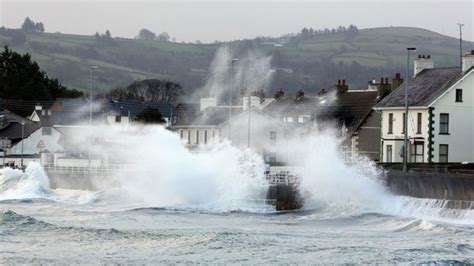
[(11, 127), (350, 108), (290, 106), (135, 107), (69, 104), (211, 116), (424, 88)]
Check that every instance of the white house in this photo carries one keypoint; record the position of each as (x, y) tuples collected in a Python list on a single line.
[(248, 127), (440, 117)]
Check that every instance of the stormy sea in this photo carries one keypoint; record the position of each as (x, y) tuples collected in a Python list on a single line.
[(43, 225), (176, 206)]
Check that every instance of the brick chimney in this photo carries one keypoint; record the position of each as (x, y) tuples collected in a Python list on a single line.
[(468, 61), (384, 88), (397, 81), (322, 92), (423, 62), (299, 95), (341, 86), (280, 94)]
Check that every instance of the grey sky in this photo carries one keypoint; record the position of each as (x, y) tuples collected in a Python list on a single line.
[(227, 20)]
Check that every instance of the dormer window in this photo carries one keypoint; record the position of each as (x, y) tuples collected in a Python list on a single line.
[(458, 95)]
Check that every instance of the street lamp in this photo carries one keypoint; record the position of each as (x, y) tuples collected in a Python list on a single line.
[(22, 141), (405, 122), (92, 68), (234, 60)]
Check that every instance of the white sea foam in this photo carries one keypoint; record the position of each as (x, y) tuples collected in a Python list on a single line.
[(34, 184)]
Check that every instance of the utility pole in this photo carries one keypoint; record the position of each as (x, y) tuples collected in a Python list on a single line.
[(22, 141), (231, 95), (90, 114), (460, 42), (405, 122), (248, 126)]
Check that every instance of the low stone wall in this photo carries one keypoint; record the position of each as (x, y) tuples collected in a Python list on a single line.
[(454, 186), (78, 180), (285, 197)]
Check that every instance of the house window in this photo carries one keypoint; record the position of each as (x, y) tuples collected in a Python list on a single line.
[(273, 137), (213, 134), (390, 123), (189, 136), (416, 152), (443, 123), (403, 121), (46, 131), (289, 119), (205, 136), (181, 133), (197, 136), (458, 95), (118, 119), (418, 124), (389, 153), (443, 153)]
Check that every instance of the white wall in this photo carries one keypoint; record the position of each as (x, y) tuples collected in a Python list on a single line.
[(396, 138), (31, 143), (189, 135), (461, 123)]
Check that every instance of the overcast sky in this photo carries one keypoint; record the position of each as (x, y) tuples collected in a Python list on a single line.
[(224, 20)]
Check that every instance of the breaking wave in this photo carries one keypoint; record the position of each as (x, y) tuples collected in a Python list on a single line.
[(34, 184)]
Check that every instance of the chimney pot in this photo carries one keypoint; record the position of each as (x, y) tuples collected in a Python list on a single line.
[(428, 56), (381, 80), (343, 82), (338, 82), (397, 75)]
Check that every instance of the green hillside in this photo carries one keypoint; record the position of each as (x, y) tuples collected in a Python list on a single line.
[(317, 61)]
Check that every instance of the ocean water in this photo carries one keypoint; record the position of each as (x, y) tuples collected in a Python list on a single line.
[(40, 224)]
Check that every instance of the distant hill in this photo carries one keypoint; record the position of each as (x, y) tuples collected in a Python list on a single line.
[(315, 61)]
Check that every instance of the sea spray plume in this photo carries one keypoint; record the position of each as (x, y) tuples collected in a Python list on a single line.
[(158, 171), (328, 181), (252, 72)]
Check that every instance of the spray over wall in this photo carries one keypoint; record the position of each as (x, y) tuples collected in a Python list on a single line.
[(251, 72)]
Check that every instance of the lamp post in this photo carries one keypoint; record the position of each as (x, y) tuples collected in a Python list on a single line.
[(92, 68), (22, 141), (234, 60), (405, 122)]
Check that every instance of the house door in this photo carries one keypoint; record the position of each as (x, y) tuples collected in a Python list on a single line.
[(416, 152)]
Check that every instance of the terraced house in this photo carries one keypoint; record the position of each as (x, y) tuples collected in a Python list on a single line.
[(440, 118)]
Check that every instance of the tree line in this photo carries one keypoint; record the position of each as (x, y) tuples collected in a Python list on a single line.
[(22, 82), (350, 31)]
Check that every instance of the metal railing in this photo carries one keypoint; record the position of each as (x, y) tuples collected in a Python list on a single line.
[(282, 178)]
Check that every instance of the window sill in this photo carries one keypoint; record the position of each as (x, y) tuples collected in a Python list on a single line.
[(444, 134), (458, 101)]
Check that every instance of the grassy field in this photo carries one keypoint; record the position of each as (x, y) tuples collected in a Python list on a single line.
[(122, 61)]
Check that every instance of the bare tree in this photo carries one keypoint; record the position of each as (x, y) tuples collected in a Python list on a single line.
[(153, 90)]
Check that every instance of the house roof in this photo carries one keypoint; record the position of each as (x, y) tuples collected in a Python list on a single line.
[(291, 106), (69, 104), (211, 116), (423, 88), (11, 126), (123, 108), (350, 108)]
